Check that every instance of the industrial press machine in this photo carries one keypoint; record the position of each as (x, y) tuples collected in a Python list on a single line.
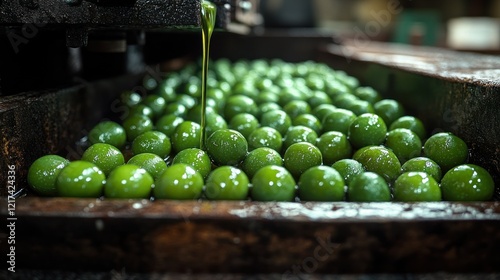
[(64, 62)]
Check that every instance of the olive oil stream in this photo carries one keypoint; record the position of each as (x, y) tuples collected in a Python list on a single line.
[(208, 14)]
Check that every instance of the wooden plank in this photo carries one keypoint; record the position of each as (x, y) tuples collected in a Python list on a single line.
[(252, 237)]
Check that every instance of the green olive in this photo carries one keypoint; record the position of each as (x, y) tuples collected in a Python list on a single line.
[(43, 172)]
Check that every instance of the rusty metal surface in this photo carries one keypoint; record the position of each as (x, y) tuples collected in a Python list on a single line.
[(141, 14), (251, 237), (319, 212), (121, 15), (461, 67)]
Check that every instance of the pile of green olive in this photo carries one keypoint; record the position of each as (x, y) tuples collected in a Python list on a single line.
[(276, 131)]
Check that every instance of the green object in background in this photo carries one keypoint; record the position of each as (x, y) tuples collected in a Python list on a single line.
[(418, 27)]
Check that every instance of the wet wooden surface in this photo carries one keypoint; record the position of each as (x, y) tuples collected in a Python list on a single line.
[(462, 67), (320, 212), (252, 237)]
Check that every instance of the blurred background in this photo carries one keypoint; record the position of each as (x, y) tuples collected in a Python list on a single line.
[(456, 24), (466, 25)]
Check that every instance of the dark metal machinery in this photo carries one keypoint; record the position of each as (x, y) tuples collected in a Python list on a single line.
[(78, 17), (31, 29)]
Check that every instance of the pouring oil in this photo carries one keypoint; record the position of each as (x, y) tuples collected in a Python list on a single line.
[(208, 14)]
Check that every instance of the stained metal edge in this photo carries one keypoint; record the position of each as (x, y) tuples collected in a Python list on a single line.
[(450, 65), (321, 212)]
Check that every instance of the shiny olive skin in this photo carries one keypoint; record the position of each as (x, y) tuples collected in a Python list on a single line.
[(259, 158), (105, 156), (381, 161), (108, 132), (423, 164), (321, 183), (128, 181), (152, 163), (180, 182), (416, 186), (368, 187), (447, 149), (467, 182), (301, 156), (43, 172), (348, 169), (273, 183), (80, 179), (227, 147), (196, 158), (227, 183), (367, 129)]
